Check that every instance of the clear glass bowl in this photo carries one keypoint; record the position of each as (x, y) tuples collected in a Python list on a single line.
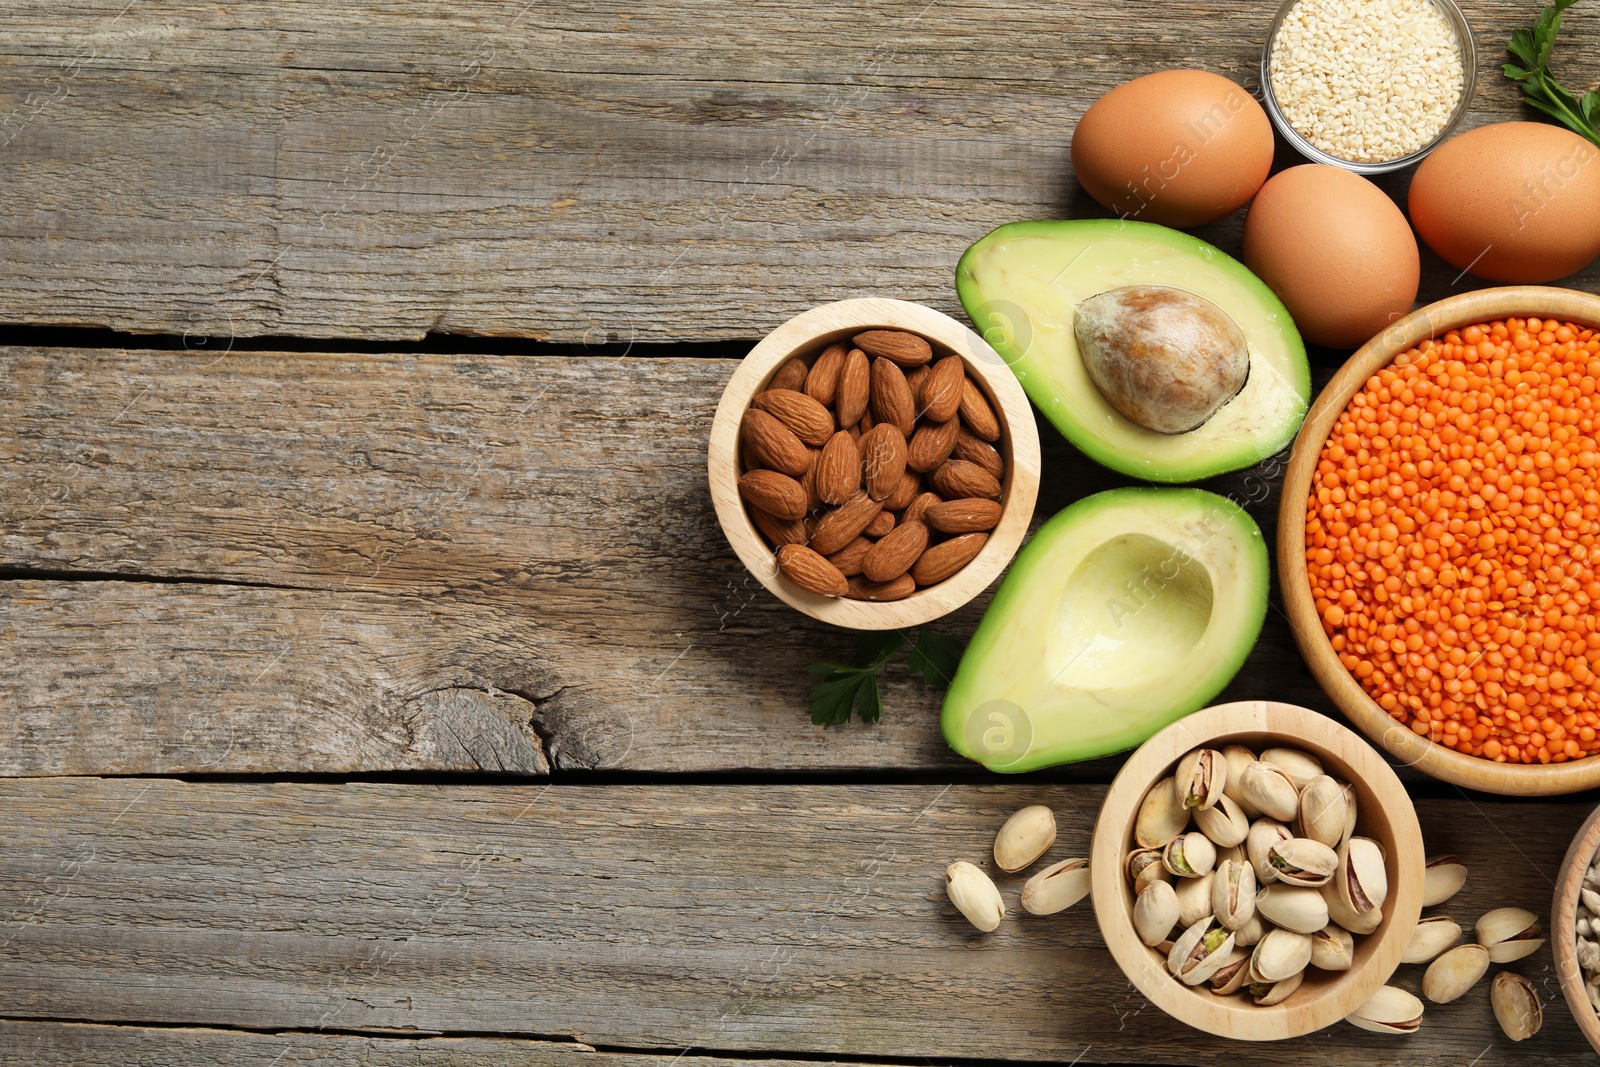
[(1469, 73)]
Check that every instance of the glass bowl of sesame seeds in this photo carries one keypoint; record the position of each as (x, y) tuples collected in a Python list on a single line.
[(1367, 85)]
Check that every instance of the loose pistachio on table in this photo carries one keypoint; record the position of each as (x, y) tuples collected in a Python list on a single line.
[(1442, 878), (1508, 934), (1432, 935), (1452, 974), (1516, 1005), (1024, 837), (974, 895), (1391, 1010), (1056, 888)]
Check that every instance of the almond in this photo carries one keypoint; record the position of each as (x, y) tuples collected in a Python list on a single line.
[(980, 452), (844, 523), (805, 418), (792, 375), (777, 494), (855, 386), (778, 531), (883, 458), (891, 396), (808, 482), (932, 444), (915, 376), (863, 588), (904, 493), (848, 559), (940, 398), (839, 469), (947, 557), (906, 349), (970, 515), (822, 384), (774, 445), (894, 555), (956, 479), (811, 572), (881, 525), (919, 507), (977, 414)]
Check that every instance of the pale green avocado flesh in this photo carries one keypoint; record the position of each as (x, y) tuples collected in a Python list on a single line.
[(1125, 612), (1020, 284)]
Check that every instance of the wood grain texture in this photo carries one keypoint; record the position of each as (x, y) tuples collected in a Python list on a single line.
[(765, 918), (409, 526), (582, 173)]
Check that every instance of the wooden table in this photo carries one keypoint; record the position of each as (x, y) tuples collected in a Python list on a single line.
[(377, 686)]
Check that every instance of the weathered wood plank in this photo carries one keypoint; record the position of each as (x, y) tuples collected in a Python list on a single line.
[(589, 172), (736, 918), (460, 535)]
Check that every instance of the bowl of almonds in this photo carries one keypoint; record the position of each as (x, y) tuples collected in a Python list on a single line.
[(874, 463)]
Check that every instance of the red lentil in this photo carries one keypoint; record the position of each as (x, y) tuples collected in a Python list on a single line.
[(1451, 540)]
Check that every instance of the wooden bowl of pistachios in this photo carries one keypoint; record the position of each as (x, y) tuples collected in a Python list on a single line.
[(1257, 871), (1575, 928)]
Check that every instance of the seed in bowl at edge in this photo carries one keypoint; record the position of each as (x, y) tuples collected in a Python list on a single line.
[(1449, 535)]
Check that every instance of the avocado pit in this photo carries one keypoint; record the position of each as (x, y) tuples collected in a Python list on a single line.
[(1164, 357)]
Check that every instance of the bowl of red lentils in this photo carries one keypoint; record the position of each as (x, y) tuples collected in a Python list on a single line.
[(1439, 540)]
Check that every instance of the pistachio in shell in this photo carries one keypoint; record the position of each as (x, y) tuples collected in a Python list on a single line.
[(1233, 893), (1201, 776), (1251, 933), (1508, 934), (1162, 815), (1200, 952), (1024, 837), (1190, 855), (1224, 822), (1277, 992), (1194, 898), (1432, 935), (1452, 974), (1293, 907), (1391, 1010), (1237, 757), (1323, 810), (1362, 877), (1056, 888), (1332, 948), (1150, 875), (1268, 789), (1234, 974), (974, 895), (1155, 913), (1357, 922), (1138, 859), (1516, 1005), (1300, 767), (1280, 954), (1302, 861), (1442, 879), (1264, 833)]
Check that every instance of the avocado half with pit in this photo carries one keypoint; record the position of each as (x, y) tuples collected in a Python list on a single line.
[(1125, 612), (1023, 285)]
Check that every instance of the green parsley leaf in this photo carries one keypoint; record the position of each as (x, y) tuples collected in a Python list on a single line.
[(874, 647), (1532, 48), (839, 691), (935, 656), (843, 690)]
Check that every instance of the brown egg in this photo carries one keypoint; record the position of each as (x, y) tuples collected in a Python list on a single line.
[(1336, 250), (1511, 202), (1179, 147)]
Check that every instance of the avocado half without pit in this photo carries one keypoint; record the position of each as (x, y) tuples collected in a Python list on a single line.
[(1125, 612), (1154, 353)]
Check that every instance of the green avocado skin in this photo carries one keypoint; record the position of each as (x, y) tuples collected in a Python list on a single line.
[(990, 660), (993, 304)]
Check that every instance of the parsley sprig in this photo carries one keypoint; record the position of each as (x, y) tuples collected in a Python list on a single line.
[(1531, 47), (845, 688)]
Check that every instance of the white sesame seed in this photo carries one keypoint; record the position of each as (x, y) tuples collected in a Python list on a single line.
[(1367, 80)]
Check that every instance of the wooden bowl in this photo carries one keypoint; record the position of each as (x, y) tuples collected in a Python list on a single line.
[(1384, 813), (810, 332), (1473, 772), (1564, 927)]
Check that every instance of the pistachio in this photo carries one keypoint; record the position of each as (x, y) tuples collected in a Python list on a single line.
[(1268, 789), (1251, 932), (1391, 1010), (1237, 757), (1278, 955), (1433, 934), (1149, 876), (1190, 855), (1357, 922), (1455, 972), (1302, 861), (1233, 852), (1056, 888), (1332, 948), (1263, 835), (1350, 812), (1223, 822), (1024, 837), (1201, 775), (1162, 815), (1267, 995), (974, 895), (1138, 860), (1200, 952), (1516, 1005), (1194, 898), (1155, 913), (1233, 974), (1508, 934), (1323, 807), (1362, 878), (1293, 907), (1233, 893), (1442, 879), (1591, 900), (1300, 766)]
